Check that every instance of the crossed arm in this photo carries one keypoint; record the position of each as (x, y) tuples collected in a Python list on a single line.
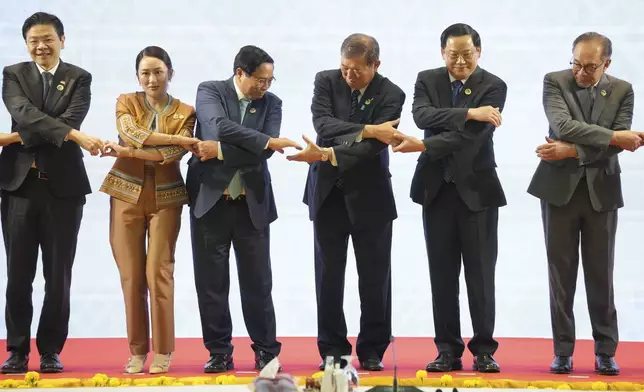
[(592, 142), (36, 127), (238, 145), (457, 131)]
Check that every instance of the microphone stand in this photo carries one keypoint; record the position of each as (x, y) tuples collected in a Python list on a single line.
[(394, 387)]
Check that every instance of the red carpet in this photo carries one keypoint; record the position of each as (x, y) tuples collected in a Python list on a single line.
[(520, 359)]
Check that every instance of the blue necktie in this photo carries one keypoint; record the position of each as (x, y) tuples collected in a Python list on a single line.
[(236, 187), (457, 86)]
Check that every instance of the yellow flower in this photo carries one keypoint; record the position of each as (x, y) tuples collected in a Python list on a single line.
[(600, 386), (421, 374), (446, 380), (317, 375), (564, 386), (32, 378)]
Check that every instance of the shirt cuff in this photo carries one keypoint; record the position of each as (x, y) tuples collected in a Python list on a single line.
[(332, 157), (359, 137), (220, 154), (267, 143)]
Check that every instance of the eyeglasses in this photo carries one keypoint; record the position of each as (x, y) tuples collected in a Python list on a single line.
[(262, 81), (453, 56), (588, 68)]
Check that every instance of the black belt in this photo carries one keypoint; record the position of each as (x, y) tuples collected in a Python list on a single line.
[(38, 174), (229, 198)]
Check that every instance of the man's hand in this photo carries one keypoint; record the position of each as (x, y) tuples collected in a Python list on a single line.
[(384, 132), (485, 114), (92, 144), (206, 150), (555, 150), (280, 143), (9, 138), (312, 152), (627, 140), (408, 143)]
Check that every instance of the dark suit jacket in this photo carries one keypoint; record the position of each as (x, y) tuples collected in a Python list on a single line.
[(364, 165), (467, 146), (43, 127), (243, 148), (563, 100)]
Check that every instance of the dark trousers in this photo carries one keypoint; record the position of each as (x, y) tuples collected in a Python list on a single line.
[(229, 222), (564, 227), (453, 231), (31, 218), (372, 247)]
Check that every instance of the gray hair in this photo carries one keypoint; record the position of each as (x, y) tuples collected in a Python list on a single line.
[(607, 45), (361, 45)]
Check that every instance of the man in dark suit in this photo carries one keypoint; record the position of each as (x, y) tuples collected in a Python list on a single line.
[(43, 183), (348, 192), (459, 107), (232, 201), (578, 182)]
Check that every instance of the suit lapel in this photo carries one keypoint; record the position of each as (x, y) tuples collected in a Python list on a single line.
[(602, 93), (33, 82), (232, 100), (368, 101), (470, 88), (58, 85), (444, 90), (342, 97), (253, 113)]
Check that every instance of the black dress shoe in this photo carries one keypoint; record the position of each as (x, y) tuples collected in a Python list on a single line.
[(445, 362), (606, 365), (561, 365), (485, 363), (219, 363), (262, 358), (50, 363), (372, 365), (16, 363)]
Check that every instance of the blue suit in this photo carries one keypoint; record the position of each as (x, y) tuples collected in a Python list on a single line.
[(217, 220)]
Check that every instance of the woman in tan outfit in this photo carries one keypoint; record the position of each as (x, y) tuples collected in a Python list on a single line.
[(147, 196)]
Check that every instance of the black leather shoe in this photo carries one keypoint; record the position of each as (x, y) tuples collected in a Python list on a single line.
[(484, 363), (445, 362), (262, 358), (606, 365), (16, 363), (219, 363), (371, 364), (561, 365), (50, 363)]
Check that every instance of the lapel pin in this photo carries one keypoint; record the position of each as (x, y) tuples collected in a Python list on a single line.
[(603, 93), (367, 102), (468, 91), (178, 116), (252, 110), (60, 87)]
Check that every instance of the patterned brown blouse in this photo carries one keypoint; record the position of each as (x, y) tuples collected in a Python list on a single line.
[(135, 121)]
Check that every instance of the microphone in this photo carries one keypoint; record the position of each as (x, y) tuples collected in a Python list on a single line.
[(394, 387)]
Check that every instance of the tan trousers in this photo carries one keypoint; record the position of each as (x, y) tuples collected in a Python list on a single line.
[(142, 271)]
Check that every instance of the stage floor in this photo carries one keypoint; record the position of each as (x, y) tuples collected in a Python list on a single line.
[(524, 362)]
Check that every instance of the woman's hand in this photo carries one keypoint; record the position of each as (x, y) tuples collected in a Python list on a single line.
[(183, 141), (111, 149)]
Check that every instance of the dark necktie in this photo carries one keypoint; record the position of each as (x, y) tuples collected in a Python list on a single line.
[(46, 81), (457, 86), (354, 102), (590, 104)]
